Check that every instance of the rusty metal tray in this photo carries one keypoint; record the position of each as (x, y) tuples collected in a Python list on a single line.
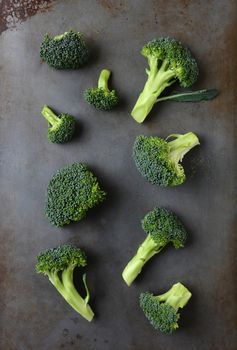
[(33, 316)]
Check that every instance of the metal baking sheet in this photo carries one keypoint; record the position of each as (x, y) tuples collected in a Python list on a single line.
[(33, 316)]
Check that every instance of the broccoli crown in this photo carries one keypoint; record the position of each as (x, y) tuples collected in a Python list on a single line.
[(70, 193), (58, 259), (178, 58), (162, 316), (66, 51), (101, 98), (162, 310), (63, 130), (164, 227), (151, 156)]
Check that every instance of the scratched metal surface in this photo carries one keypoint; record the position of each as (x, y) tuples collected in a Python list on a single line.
[(33, 316)]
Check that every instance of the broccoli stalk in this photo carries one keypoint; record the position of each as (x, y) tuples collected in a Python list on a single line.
[(68, 291), (59, 264), (104, 79), (180, 146), (168, 62), (162, 227), (177, 296), (60, 36), (162, 310), (158, 80), (144, 253), (61, 128), (53, 120)]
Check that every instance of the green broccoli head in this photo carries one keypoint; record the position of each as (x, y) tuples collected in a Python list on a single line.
[(58, 265), (65, 51), (162, 316), (159, 160), (162, 227), (101, 97), (162, 310), (177, 58), (61, 127), (54, 260), (169, 61), (71, 192)]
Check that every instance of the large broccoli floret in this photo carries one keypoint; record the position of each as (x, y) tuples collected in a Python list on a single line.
[(169, 61), (162, 310), (101, 97), (159, 160), (71, 192), (59, 264), (61, 127), (162, 227), (65, 51)]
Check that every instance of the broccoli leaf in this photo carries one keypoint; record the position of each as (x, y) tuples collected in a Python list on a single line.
[(191, 96)]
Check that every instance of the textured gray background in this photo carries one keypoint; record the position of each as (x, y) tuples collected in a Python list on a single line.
[(33, 316)]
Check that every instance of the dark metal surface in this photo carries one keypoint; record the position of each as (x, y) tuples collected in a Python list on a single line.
[(33, 316)]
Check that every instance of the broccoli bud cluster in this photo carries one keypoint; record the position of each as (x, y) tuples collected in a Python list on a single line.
[(65, 51), (71, 192)]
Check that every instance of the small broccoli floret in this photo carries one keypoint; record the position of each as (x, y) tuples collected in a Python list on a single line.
[(159, 160), (162, 227), (162, 310), (61, 127), (101, 97), (71, 192), (65, 51), (59, 264), (169, 61)]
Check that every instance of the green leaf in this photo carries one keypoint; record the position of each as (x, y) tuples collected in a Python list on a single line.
[(191, 96)]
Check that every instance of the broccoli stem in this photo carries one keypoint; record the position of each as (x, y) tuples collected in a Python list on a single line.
[(181, 145), (144, 253), (49, 115), (103, 79), (60, 36), (66, 288), (177, 296), (158, 80)]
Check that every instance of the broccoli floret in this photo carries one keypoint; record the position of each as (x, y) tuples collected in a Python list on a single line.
[(61, 127), (169, 61), (162, 227), (158, 160), (71, 192), (59, 264), (162, 310), (65, 51), (101, 97)]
